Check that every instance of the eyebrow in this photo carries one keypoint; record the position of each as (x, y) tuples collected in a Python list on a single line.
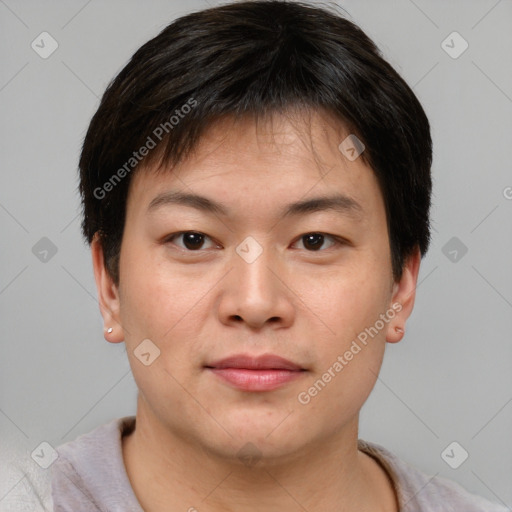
[(340, 203)]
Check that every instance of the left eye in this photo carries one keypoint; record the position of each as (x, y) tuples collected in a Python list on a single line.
[(314, 241)]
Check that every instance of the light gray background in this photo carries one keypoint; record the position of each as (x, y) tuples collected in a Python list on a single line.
[(450, 379)]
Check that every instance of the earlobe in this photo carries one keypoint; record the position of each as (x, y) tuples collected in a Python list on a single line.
[(394, 335), (404, 294), (108, 296)]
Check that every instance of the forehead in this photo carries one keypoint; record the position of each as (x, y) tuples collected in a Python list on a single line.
[(250, 162)]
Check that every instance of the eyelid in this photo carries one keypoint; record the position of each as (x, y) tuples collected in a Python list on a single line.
[(338, 241), (169, 239)]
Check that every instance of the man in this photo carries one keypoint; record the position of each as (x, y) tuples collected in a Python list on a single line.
[(256, 189)]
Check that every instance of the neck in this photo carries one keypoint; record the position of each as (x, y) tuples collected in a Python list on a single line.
[(170, 472)]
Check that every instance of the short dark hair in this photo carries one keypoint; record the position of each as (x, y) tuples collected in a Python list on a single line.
[(256, 58)]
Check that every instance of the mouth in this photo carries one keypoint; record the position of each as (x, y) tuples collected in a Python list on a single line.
[(263, 373)]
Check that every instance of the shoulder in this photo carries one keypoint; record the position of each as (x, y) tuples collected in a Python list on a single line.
[(89, 473), (419, 492)]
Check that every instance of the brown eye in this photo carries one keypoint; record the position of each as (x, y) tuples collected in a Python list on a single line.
[(314, 241), (191, 240)]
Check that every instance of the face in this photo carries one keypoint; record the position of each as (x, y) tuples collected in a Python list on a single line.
[(264, 242)]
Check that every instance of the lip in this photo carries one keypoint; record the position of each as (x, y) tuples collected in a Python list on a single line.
[(262, 373), (263, 362)]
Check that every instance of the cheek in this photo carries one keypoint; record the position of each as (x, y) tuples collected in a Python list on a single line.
[(162, 305), (158, 299), (347, 300), (350, 355)]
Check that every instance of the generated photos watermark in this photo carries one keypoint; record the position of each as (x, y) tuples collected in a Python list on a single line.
[(304, 397), (151, 142)]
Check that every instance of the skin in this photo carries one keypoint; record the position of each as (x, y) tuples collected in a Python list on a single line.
[(304, 305)]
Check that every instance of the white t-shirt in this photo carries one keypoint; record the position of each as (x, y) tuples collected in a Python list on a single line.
[(89, 476)]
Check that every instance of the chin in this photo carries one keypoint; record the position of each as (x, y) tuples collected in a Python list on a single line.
[(267, 438), (252, 448)]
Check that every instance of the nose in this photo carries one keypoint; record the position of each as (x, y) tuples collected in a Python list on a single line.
[(257, 293)]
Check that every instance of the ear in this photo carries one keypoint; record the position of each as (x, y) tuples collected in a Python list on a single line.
[(404, 294), (108, 294)]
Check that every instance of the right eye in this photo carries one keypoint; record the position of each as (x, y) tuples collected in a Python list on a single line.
[(191, 240)]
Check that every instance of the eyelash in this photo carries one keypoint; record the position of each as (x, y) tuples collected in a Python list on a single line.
[(337, 241)]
